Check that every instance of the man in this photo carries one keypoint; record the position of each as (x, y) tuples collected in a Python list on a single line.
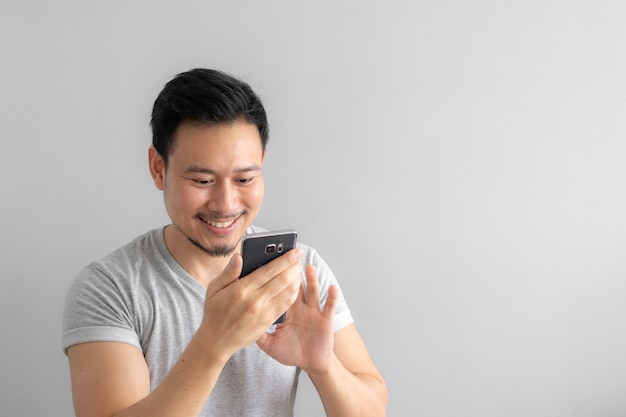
[(164, 327)]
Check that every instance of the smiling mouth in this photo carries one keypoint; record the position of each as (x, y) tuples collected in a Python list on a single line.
[(219, 224)]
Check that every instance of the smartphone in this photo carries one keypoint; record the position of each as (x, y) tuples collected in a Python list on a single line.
[(257, 249)]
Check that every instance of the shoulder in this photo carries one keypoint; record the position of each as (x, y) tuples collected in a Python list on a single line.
[(137, 249), (118, 267), (105, 291)]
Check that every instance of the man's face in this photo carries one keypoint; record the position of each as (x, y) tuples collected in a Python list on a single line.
[(213, 185)]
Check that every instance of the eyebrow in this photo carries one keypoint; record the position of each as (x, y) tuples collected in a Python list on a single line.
[(197, 169)]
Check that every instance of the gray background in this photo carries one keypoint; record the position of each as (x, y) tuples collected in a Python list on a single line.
[(460, 165)]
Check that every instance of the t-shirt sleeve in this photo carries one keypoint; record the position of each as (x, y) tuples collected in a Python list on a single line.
[(343, 316), (98, 309)]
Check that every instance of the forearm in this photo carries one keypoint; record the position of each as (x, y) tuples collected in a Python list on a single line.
[(346, 394), (185, 389)]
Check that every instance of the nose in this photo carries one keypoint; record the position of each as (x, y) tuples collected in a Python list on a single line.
[(224, 199)]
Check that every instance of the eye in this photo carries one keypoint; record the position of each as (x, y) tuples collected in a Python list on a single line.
[(201, 181), (244, 181)]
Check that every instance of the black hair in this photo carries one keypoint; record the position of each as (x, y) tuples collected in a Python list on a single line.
[(207, 97)]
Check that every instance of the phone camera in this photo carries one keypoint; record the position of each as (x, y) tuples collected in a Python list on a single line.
[(270, 248)]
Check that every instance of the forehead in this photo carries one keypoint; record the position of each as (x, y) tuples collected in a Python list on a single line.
[(219, 144)]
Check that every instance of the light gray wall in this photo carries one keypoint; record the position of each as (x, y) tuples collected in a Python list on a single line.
[(460, 164)]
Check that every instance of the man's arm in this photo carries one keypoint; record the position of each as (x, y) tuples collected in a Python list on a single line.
[(351, 385), (338, 363), (111, 379)]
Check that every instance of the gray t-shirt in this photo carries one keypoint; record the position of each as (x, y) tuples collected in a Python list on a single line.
[(141, 296)]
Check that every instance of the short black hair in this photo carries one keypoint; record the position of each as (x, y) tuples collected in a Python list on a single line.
[(207, 97)]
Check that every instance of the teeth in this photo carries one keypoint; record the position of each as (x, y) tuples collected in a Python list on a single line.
[(220, 224)]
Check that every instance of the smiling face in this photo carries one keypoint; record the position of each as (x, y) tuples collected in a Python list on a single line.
[(212, 186)]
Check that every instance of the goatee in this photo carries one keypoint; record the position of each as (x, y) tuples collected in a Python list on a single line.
[(216, 252)]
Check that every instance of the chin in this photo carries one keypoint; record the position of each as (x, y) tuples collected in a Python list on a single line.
[(215, 251)]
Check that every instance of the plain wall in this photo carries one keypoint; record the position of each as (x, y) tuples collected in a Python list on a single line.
[(459, 164)]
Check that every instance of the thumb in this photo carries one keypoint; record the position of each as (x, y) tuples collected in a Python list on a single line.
[(229, 275)]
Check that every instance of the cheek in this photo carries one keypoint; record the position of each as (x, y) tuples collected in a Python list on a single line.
[(257, 194), (252, 197), (184, 198)]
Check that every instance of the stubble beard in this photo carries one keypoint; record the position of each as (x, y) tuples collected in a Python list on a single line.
[(219, 251), (222, 251)]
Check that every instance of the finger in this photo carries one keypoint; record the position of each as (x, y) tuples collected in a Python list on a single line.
[(264, 341), (331, 301), (228, 275), (266, 273), (312, 286), (285, 288)]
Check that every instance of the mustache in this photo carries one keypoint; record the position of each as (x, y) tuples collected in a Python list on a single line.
[(215, 216)]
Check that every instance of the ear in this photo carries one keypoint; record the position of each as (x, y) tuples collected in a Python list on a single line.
[(157, 168)]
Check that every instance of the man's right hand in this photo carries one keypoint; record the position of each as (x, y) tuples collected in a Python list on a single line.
[(238, 311)]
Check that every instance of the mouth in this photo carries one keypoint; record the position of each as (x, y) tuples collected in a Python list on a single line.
[(220, 224)]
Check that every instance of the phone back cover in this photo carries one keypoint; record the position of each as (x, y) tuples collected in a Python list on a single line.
[(254, 248)]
